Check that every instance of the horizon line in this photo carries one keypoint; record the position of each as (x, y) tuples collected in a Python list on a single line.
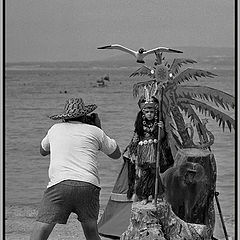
[(93, 60)]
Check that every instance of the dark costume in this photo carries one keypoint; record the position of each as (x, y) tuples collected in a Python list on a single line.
[(137, 175), (141, 155)]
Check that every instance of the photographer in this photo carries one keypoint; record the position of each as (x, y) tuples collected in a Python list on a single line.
[(74, 185)]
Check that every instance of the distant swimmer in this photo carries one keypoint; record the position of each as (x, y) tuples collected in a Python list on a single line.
[(141, 53)]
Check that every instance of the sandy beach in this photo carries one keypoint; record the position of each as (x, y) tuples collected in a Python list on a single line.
[(19, 222)]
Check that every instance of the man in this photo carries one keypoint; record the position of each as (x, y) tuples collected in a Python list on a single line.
[(74, 184)]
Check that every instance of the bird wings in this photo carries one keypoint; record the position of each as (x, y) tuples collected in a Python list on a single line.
[(119, 47), (135, 53), (161, 49)]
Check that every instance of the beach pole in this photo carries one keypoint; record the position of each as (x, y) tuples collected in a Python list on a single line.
[(160, 96), (221, 216)]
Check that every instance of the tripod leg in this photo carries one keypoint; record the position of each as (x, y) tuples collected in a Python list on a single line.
[(221, 216)]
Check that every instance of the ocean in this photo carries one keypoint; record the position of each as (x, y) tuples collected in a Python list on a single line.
[(35, 90)]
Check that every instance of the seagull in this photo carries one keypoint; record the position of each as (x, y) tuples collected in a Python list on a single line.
[(141, 53)]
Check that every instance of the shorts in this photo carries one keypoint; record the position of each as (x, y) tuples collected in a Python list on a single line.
[(68, 196)]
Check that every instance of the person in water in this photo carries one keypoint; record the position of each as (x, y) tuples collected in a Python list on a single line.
[(142, 151)]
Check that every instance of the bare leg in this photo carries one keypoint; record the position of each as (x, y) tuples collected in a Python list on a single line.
[(90, 230), (41, 231)]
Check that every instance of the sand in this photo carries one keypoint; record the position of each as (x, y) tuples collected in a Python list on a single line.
[(19, 222)]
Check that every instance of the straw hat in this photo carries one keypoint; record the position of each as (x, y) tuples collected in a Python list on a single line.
[(74, 108)]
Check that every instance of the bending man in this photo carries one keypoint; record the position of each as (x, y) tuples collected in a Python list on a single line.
[(74, 185)]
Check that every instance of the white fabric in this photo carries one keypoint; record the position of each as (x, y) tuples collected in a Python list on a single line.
[(73, 151)]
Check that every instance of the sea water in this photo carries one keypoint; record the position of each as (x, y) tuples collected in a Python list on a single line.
[(34, 91)]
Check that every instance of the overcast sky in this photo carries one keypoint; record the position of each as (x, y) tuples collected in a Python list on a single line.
[(71, 30)]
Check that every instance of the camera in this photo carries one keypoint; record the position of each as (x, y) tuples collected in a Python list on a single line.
[(90, 119), (93, 119)]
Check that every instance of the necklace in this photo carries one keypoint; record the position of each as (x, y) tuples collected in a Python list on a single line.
[(149, 127)]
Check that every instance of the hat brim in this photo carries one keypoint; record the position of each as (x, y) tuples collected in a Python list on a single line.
[(80, 113)]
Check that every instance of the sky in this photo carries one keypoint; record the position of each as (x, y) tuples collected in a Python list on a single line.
[(71, 30)]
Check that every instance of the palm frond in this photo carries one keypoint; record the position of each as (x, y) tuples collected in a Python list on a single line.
[(159, 58), (176, 138), (144, 70), (207, 93), (189, 73), (137, 87), (173, 141), (219, 116), (187, 108), (167, 64), (178, 62)]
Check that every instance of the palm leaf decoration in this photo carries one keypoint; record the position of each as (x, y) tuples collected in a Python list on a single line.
[(144, 70), (219, 116), (178, 62), (189, 111), (159, 58), (177, 97), (207, 93), (190, 73)]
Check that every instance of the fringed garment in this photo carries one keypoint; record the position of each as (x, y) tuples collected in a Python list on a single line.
[(141, 155), (147, 151)]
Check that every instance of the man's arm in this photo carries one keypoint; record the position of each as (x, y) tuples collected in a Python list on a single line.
[(116, 154), (45, 146), (43, 152)]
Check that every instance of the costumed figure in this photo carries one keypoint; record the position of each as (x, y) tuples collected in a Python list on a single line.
[(136, 180), (141, 153)]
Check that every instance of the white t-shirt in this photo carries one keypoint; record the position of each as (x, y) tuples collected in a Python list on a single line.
[(73, 151)]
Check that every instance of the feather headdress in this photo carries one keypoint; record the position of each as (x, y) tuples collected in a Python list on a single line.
[(148, 99)]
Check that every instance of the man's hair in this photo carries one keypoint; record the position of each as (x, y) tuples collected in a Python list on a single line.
[(78, 119), (88, 119)]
